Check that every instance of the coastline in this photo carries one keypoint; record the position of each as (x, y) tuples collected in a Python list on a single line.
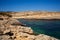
[(41, 19), (36, 15), (8, 31)]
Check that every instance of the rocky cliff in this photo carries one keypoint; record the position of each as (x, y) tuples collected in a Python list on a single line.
[(37, 15), (12, 29)]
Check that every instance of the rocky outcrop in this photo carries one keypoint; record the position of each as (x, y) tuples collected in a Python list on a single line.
[(32, 15), (8, 31), (37, 15)]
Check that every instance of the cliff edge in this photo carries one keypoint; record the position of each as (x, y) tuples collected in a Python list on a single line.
[(37, 15), (11, 31)]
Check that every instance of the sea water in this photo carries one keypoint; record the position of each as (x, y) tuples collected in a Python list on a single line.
[(47, 27)]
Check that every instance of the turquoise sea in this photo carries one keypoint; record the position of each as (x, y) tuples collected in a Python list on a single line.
[(47, 27)]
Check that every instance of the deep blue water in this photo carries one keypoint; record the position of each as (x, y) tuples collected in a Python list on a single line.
[(48, 27)]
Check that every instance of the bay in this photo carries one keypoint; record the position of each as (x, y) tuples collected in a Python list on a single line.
[(47, 27)]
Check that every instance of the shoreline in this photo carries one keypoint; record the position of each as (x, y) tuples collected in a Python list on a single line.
[(41, 19), (9, 31)]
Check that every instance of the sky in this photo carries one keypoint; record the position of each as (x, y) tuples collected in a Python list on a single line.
[(29, 5)]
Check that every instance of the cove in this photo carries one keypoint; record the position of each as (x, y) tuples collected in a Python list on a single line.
[(47, 27)]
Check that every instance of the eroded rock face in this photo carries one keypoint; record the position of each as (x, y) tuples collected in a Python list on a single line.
[(37, 15), (19, 32)]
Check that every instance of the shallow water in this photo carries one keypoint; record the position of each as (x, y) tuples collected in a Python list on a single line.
[(48, 27)]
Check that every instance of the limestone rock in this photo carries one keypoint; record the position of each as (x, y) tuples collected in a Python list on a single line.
[(44, 37), (19, 32)]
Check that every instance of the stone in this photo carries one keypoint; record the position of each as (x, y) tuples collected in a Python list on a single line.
[(19, 32)]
